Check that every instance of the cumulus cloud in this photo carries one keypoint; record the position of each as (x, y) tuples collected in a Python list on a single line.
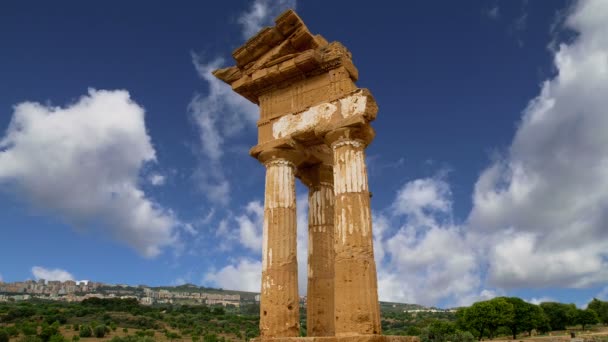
[(219, 114), (261, 13), (244, 275), (539, 212), (250, 226), (249, 229), (51, 274), (544, 206), (426, 257), (82, 163)]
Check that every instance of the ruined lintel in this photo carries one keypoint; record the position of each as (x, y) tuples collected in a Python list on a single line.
[(314, 125)]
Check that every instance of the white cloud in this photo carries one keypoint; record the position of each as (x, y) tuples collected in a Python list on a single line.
[(219, 115), (249, 231), (544, 206), (422, 197), (244, 275), (427, 258), (250, 226), (51, 273), (156, 179), (82, 162), (539, 214), (536, 301), (261, 13)]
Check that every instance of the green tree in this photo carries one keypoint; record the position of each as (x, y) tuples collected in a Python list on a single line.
[(584, 317), (437, 331), (443, 331), (487, 315), (57, 338), (100, 331), (85, 331), (4, 337), (172, 335), (48, 331), (502, 313), (600, 308), (29, 328), (560, 315), (526, 316), (475, 318)]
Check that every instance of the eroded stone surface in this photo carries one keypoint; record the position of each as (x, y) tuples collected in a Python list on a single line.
[(320, 296), (279, 304), (357, 308), (315, 125)]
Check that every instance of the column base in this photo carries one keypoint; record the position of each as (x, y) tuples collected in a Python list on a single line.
[(353, 338)]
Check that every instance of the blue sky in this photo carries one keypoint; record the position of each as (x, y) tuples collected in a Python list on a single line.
[(123, 160)]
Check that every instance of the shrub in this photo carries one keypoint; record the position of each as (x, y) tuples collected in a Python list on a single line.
[(29, 329), (12, 331), (100, 331), (48, 331), (85, 331), (57, 338), (30, 339), (4, 337)]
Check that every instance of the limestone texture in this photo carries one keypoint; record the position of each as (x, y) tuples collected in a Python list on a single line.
[(279, 306), (320, 295), (314, 125)]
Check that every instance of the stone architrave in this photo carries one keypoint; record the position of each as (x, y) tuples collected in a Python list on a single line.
[(314, 125)]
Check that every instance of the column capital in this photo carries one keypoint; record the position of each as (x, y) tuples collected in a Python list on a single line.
[(317, 175), (282, 155), (350, 135)]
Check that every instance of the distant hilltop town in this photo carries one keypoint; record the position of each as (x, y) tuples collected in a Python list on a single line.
[(72, 291), (188, 294)]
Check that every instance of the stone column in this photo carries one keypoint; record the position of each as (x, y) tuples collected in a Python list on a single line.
[(320, 296), (357, 310), (279, 299)]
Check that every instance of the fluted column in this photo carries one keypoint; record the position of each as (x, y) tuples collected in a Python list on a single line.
[(320, 296), (357, 310), (279, 299)]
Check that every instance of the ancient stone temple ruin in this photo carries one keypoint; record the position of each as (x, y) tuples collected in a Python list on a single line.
[(314, 125)]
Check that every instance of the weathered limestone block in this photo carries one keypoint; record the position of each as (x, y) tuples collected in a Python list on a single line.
[(320, 296), (357, 309), (356, 107), (279, 303)]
